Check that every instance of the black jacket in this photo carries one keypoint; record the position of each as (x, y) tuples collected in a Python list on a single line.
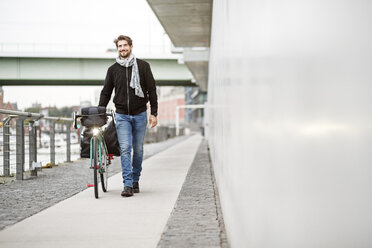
[(125, 100)]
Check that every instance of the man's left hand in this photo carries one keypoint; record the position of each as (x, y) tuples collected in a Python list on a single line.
[(153, 121)]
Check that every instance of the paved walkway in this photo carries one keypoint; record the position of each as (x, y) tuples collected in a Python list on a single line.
[(113, 221), (22, 199)]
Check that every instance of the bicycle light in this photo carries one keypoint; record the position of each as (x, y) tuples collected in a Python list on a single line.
[(95, 131)]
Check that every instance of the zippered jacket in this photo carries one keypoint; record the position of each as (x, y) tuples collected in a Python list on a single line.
[(125, 99)]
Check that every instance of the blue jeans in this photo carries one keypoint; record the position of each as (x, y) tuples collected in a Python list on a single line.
[(131, 131)]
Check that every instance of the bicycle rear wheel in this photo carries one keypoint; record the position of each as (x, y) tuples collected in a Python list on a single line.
[(95, 165)]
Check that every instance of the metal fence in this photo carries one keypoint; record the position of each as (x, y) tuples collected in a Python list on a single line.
[(22, 143), (21, 138), (161, 133)]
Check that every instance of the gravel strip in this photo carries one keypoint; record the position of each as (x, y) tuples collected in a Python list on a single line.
[(196, 220)]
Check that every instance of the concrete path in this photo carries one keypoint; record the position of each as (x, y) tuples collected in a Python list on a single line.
[(111, 221), (20, 199)]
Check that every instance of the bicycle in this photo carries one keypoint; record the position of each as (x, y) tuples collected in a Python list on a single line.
[(100, 159)]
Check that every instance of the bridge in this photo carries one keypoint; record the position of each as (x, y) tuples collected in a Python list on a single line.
[(22, 70)]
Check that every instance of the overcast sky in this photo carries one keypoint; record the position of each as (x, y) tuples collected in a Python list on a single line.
[(71, 22)]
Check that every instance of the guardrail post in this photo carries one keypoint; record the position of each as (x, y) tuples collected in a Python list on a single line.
[(32, 146), (20, 148), (6, 143), (36, 129), (68, 142), (30, 143), (52, 134)]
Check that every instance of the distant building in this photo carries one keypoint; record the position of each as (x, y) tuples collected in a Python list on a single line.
[(36, 105), (45, 111), (168, 99), (44, 124), (7, 106)]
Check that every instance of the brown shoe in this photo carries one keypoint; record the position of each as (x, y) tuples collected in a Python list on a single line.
[(136, 187), (127, 192)]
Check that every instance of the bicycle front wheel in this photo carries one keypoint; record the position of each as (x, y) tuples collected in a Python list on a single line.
[(104, 181), (95, 165), (103, 171)]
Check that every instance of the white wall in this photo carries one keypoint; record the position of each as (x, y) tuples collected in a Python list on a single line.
[(290, 121)]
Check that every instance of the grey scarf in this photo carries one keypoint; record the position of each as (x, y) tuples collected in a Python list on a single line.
[(135, 79)]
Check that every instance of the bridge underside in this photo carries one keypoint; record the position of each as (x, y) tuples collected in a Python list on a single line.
[(188, 24), (29, 71)]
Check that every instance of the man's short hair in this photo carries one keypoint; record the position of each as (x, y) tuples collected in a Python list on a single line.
[(123, 37)]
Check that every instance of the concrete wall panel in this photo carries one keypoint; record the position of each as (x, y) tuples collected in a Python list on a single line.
[(289, 121)]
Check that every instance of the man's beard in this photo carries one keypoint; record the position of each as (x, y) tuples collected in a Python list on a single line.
[(124, 54)]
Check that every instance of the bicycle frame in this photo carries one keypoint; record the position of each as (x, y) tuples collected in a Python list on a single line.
[(100, 143), (99, 157)]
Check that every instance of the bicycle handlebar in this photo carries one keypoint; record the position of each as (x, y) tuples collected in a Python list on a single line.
[(75, 116)]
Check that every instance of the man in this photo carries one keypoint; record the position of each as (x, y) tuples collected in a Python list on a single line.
[(134, 86)]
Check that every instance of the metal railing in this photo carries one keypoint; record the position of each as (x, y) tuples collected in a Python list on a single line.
[(26, 127), (73, 50), (161, 133)]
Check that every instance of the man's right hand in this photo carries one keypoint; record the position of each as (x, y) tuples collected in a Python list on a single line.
[(153, 121)]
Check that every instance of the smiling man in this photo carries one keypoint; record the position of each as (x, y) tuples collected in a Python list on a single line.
[(134, 86)]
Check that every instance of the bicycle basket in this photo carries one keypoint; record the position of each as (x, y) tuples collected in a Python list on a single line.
[(93, 116)]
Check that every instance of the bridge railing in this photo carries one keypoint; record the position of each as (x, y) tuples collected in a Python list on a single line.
[(92, 50), (22, 129)]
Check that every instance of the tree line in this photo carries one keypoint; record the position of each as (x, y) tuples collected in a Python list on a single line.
[(53, 111)]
